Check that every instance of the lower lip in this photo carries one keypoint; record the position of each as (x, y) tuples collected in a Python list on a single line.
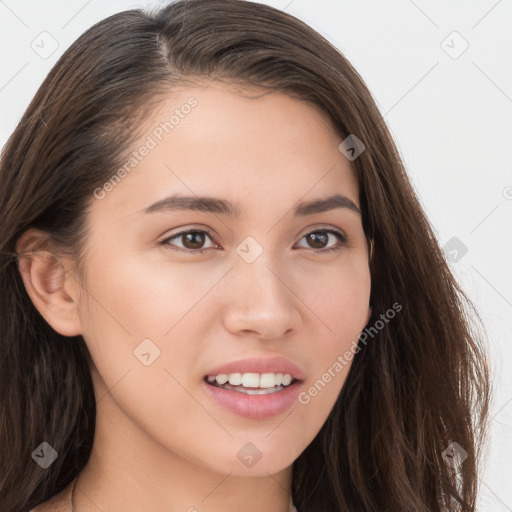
[(257, 407)]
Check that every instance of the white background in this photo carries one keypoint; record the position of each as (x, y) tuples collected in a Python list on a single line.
[(451, 119)]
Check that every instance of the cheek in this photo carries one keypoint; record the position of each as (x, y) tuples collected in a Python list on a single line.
[(136, 307), (339, 297), (140, 297), (340, 304)]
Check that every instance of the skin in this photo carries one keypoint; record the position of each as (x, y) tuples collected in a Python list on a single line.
[(160, 442)]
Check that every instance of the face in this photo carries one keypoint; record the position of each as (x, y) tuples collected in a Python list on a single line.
[(174, 294)]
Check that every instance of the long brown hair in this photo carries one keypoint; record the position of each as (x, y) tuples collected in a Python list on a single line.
[(420, 384)]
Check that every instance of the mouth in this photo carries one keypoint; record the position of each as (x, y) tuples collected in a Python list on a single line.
[(258, 388), (239, 395)]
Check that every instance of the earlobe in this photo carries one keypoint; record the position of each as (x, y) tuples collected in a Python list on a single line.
[(44, 276)]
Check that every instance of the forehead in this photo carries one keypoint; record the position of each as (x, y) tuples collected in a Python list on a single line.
[(247, 145)]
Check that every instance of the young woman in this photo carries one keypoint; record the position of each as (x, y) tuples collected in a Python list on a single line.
[(218, 288)]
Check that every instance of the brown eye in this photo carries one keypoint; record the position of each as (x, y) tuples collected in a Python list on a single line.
[(319, 239), (192, 241)]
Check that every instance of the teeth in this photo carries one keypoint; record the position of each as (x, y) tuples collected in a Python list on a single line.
[(253, 391), (235, 379), (252, 380)]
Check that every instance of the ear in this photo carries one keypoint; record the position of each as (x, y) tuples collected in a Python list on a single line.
[(49, 284)]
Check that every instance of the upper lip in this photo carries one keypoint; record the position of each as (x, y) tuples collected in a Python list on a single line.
[(259, 365)]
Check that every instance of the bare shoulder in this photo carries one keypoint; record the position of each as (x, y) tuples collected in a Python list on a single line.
[(61, 502)]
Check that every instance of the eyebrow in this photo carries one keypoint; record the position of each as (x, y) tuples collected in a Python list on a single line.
[(223, 207)]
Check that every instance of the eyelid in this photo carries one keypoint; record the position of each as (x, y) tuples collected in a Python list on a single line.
[(322, 227)]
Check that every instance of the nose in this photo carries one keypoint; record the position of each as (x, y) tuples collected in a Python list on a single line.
[(261, 301)]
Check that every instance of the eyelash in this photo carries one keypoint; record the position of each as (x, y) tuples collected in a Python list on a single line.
[(341, 237)]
